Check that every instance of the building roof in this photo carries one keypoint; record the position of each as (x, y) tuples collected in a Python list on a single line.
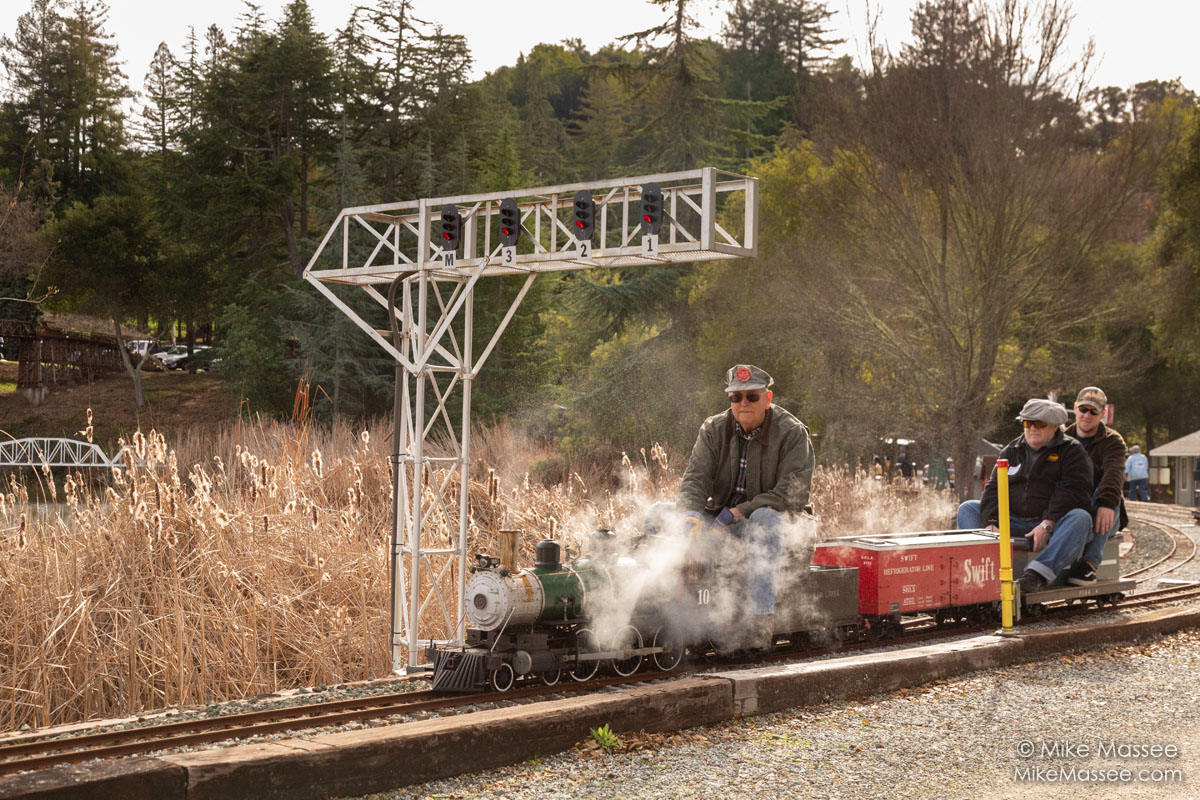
[(1184, 446)]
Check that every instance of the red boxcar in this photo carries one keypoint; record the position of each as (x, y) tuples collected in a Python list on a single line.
[(905, 573)]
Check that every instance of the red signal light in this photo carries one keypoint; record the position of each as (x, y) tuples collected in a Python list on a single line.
[(446, 236), (648, 218), (506, 231)]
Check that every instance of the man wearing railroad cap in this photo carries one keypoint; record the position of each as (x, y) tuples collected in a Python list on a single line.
[(750, 468), (1050, 489), (1106, 448)]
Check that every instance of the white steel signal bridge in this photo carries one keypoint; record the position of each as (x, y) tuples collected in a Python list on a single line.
[(418, 307)]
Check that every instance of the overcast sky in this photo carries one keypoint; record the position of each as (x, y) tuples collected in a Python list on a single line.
[(1150, 39)]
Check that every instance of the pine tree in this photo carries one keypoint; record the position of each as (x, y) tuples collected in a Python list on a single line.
[(159, 128), (773, 48), (68, 89)]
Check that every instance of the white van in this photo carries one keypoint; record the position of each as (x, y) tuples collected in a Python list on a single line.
[(139, 347)]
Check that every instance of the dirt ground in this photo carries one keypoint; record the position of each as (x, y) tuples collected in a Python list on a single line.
[(175, 403)]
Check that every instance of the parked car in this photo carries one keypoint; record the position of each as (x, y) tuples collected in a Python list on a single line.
[(169, 356)]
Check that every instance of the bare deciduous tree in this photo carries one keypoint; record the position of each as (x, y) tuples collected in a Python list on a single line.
[(973, 261)]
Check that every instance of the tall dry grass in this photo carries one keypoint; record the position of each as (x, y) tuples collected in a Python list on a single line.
[(256, 559)]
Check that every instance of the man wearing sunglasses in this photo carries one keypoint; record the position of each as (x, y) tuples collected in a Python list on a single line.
[(750, 468), (1049, 494), (1106, 448)]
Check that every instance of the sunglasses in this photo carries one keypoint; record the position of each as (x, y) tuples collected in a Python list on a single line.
[(751, 397), (1087, 410), (1034, 423)]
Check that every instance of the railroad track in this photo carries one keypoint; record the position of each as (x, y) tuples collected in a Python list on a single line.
[(42, 752), (33, 753), (1183, 551)]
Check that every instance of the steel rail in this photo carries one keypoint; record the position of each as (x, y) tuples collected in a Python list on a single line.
[(1176, 535), (133, 741)]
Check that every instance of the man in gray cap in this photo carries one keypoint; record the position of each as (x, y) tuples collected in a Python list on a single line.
[(1050, 490), (750, 468)]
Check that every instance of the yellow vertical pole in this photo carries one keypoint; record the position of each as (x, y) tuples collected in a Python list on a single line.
[(1006, 570)]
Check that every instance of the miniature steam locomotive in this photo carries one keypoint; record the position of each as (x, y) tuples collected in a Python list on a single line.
[(657, 604)]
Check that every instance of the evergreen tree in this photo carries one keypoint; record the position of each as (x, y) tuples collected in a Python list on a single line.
[(161, 113), (68, 91), (680, 114), (774, 46)]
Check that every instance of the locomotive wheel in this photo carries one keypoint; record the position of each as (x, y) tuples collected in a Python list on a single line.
[(627, 638), (586, 670), (551, 676), (502, 678), (672, 652)]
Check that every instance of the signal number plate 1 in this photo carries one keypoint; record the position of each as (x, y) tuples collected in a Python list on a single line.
[(650, 245)]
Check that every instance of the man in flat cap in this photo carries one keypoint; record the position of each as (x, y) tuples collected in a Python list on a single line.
[(1106, 448), (751, 468), (1050, 489)]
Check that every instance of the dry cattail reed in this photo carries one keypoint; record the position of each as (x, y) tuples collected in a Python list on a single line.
[(233, 564)]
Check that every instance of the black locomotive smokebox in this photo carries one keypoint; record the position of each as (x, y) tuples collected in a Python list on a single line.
[(548, 555)]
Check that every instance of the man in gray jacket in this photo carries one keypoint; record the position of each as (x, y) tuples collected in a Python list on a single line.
[(751, 468)]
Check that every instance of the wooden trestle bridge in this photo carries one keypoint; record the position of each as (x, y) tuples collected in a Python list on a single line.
[(48, 356)]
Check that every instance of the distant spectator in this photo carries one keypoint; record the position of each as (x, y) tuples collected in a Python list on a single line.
[(1137, 470), (906, 465)]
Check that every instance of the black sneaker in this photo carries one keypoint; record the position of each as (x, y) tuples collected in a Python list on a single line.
[(1082, 574), (1031, 582)]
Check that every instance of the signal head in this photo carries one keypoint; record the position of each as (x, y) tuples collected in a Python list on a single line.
[(652, 209), (585, 215), (510, 222), (451, 228)]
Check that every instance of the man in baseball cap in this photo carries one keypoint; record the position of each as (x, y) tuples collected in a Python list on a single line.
[(750, 469), (1106, 448), (1050, 486)]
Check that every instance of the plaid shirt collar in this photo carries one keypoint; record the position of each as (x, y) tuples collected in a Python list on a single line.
[(739, 491), (762, 432), (737, 427)]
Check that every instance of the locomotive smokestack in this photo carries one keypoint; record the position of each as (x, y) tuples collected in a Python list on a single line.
[(509, 549)]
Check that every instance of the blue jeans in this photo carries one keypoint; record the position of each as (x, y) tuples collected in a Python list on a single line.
[(1139, 489), (1067, 540), (761, 536), (1094, 552)]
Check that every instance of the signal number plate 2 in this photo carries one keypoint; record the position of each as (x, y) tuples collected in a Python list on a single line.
[(583, 248)]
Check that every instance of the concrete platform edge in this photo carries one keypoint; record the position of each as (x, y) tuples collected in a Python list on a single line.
[(377, 759)]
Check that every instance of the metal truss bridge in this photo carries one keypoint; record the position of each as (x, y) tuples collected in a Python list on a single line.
[(38, 452)]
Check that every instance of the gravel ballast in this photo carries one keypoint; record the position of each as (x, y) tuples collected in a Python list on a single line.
[(958, 738), (961, 738)]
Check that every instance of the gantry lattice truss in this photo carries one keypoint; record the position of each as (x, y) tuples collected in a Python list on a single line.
[(427, 303)]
